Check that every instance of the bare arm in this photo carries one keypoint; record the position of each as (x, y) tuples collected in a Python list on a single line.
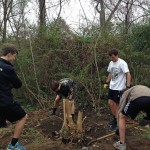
[(71, 93), (108, 78), (128, 76), (56, 101)]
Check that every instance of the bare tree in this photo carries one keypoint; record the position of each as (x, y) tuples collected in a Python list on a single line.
[(101, 9), (17, 21), (7, 7), (42, 12), (128, 11), (131, 12)]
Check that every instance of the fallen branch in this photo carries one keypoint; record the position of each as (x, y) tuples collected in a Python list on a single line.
[(103, 137)]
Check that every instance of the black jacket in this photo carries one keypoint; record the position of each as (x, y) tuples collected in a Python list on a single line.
[(8, 80)]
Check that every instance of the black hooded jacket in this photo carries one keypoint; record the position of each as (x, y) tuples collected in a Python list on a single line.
[(8, 80)]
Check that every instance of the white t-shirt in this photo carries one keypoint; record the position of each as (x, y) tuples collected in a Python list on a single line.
[(118, 72)]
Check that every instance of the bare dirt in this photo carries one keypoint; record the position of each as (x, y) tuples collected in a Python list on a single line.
[(42, 133)]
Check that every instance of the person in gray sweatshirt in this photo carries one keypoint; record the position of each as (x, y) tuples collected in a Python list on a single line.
[(133, 100)]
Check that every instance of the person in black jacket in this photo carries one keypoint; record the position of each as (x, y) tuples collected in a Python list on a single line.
[(9, 109)]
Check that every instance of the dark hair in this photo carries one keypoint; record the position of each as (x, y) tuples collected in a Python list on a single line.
[(54, 85), (113, 52), (8, 48)]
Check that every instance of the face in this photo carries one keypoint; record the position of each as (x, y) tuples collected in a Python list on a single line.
[(11, 57), (113, 58), (57, 89)]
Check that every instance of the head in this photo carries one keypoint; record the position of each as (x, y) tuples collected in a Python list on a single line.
[(113, 55), (55, 85), (9, 52)]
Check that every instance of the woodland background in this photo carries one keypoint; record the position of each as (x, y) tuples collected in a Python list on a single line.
[(50, 49)]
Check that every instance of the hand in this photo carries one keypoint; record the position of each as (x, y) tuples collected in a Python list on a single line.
[(70, 98), (128, 87), (105, 85)]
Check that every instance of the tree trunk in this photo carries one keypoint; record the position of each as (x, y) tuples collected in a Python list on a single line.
[(5, 20), (80, 122), (42, 13)]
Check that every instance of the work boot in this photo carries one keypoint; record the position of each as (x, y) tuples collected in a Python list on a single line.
[(120, 146)]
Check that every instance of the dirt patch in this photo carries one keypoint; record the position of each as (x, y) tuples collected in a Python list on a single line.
[(40, 130)]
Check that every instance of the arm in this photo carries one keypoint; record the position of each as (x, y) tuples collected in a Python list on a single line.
[(72, 87), (56, 101), (15, 81), (106, 84), (128, 77), (71, 94), (108, 78)]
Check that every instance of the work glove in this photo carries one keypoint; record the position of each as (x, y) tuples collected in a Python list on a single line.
[(105, 85)]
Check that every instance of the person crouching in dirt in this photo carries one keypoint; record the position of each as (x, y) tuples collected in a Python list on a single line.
[(64, 88), (133, 101)]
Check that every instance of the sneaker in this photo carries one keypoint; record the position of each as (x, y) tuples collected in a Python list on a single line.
[(120, 146), (18, 146)]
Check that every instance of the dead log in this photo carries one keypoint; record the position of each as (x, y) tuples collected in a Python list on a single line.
[(65, 129), (80, 122), (68, 113)]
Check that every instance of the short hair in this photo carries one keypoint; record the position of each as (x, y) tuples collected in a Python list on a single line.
[(8, 48), (54, 85), (113, 52)]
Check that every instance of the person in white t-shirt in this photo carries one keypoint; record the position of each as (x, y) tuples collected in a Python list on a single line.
[(119, 78)]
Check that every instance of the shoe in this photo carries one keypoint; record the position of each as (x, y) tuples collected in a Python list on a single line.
[(18, 146), (120, 146)]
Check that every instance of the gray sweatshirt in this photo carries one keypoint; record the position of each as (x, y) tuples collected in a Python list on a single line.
[(132, 94)]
